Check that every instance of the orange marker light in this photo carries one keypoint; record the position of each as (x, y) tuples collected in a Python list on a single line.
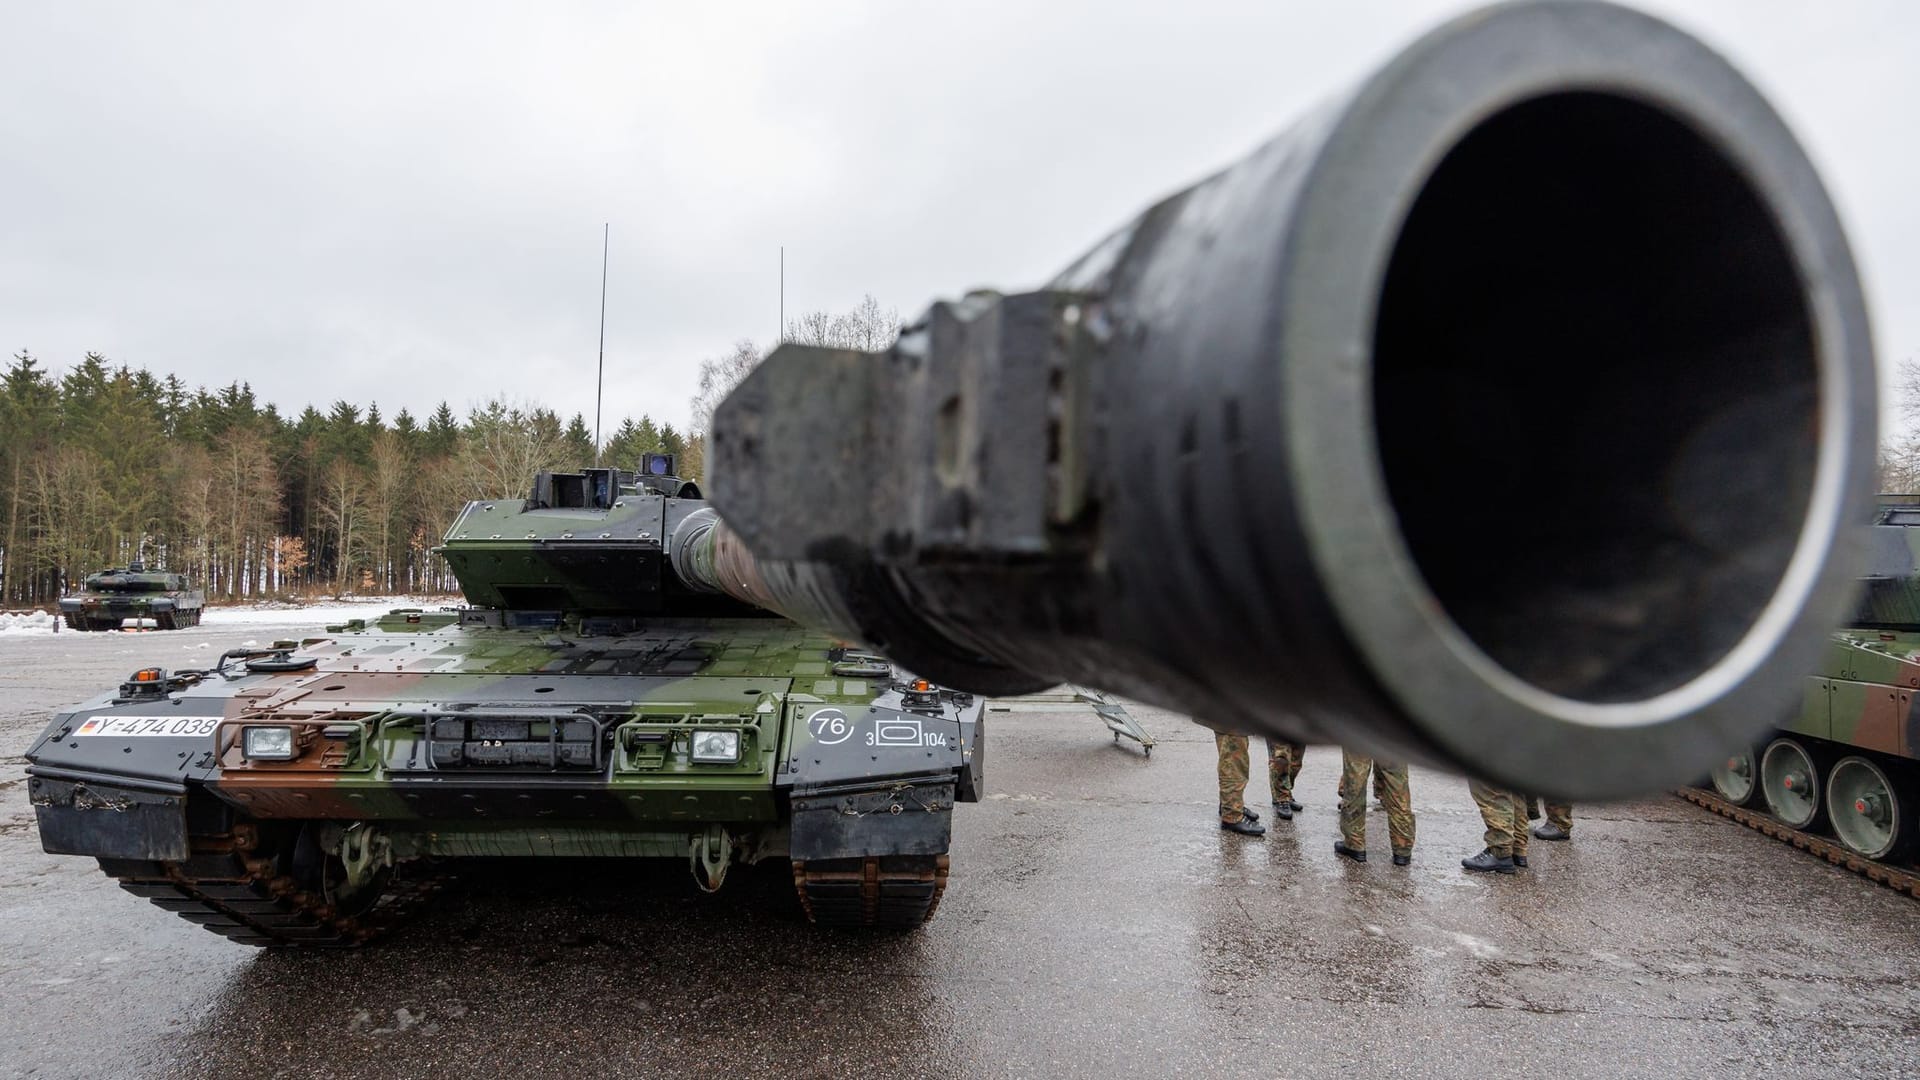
[(922, 685), (151, 674)]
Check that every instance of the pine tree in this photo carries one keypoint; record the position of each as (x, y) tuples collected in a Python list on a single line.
[(671, 441), (443, 433), (579, 442)]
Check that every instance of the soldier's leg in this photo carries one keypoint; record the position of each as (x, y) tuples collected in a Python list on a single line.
[(1518, 826), (1398, 798), (1283, 768), (1496, 810), (1559, 823), (1560, 815), (1233, 775), (1353, 799), (1279, 760)]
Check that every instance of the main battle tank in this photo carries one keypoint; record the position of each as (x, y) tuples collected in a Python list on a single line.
[(605, 694), (1847, 762), (109, 598)]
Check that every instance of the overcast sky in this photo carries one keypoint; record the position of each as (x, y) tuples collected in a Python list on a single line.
[(403, 203)]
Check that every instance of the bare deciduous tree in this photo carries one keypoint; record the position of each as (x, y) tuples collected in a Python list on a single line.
[(1900, 450), (718, 376), (868, 327), (389, 489), (506, 444), (342, 512)]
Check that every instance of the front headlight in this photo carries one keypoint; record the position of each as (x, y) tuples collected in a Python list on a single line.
[(716, 746), (267, 743)]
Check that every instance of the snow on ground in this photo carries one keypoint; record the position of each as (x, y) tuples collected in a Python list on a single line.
[(30, 623), (318, 613)]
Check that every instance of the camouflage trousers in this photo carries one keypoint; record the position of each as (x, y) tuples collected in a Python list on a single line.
[(1505, 813), (1283, 765), (1233, 775), (1560, 815), (1390, 783)]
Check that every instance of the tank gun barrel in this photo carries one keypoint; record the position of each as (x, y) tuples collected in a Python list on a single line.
[(708, 556), (1511, 413)]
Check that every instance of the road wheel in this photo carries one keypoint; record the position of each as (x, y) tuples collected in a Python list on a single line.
[(1737, 778), (1868, 813), (1790, 780)]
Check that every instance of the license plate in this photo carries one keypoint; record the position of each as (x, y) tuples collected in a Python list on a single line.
[(185, 727)]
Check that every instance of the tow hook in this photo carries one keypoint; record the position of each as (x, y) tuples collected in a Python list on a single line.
[(710, 855)]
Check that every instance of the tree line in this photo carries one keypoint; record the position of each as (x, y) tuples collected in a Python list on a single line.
[(103, 465), (1900, 450)]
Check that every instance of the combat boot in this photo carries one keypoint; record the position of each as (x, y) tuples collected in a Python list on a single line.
[(1488, 861), (1402, 858), (1247, 812), (1551, 832), (1294, 806), (1356, 854), (1283, 811), (1520, 861), (1246, 826)]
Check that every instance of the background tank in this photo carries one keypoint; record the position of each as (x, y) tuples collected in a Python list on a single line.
[(590, 703), (1847, 763), (108, 598)]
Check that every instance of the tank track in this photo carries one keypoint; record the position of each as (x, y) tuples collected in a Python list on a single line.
[(228, 888), (898, 892), (1893, 877), (177, 620)]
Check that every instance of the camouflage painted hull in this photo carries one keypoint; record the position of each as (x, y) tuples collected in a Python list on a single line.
[(437, 735), (91, 613), (1847, 764)]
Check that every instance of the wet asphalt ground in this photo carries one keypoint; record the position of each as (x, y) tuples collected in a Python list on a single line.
[(1097, 923)]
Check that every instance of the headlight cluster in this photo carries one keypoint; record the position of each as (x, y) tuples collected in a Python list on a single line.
[(712, 747), (267, 743)]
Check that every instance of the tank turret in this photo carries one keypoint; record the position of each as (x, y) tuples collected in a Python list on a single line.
[(1890, 581), (616, 548), (594, 543)]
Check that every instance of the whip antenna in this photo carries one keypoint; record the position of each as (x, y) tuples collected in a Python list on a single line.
[(600, 376)]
